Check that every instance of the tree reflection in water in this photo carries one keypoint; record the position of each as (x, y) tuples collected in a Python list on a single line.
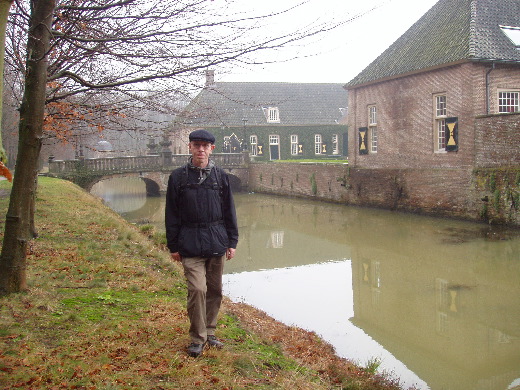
[(437, 300)]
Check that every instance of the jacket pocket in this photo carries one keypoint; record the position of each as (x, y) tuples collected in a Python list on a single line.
[(219, 237), (189, 242)]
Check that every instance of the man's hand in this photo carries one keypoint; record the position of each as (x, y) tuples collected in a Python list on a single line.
[(230, 253), (177, 256)]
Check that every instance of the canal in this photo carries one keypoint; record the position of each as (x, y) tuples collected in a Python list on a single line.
[(437, 301)]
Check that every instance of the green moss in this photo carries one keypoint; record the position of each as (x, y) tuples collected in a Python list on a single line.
[(492, 182), (496, 200), (314, 185), (484, 212)]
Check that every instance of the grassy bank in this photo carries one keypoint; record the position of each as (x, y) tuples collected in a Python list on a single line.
[(106, 310)]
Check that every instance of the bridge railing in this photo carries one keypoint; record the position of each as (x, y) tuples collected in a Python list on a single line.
[(221, 159), (136, 163)]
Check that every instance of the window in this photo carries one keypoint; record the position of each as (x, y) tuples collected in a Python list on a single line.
[(513, 33), (508, 101), (294, 145), (317, 143), (276, 239), (372, 128), (274, 147), (226, 148), (335, 144), (273, 115), (376, 282), (253, 142), (440, 122)]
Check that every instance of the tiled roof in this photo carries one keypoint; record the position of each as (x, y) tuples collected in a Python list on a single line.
[(451, 31), (228, 104)]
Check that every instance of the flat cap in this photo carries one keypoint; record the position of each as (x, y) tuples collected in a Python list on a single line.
[(202, 135)]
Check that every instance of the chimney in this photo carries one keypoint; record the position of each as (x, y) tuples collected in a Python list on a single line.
[(210, 77)]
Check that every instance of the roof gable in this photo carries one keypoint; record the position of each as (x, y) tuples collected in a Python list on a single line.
[(232, 104), (451, 31)]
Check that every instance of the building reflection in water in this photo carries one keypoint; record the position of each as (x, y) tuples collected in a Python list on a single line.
[(449, 309), (438, 300), (440, 296)]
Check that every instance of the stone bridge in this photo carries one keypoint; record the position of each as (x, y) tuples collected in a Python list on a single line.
[(154, 170)]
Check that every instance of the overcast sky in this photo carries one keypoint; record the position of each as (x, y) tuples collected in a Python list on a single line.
[(340, 54)]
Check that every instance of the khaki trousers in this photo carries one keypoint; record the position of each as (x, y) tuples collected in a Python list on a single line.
[(204, 279)]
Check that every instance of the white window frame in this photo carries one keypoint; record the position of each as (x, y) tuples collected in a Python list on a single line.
[(508, 101), (372, 128), (335, 144), (294, 144), (513, 33), (440, 113), (318, 143), (274, 140), (253, 145), (273, 115), (277, 239)]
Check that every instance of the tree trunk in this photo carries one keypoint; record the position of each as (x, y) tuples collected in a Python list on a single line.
[(20, 212), (5, 5)]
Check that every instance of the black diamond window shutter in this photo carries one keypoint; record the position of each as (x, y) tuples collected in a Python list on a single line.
[(363, 148), (452, 134)]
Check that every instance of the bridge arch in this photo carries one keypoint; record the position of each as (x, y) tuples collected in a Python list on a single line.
[(153, 187), (156, 182), (153, 169), (235, 182)]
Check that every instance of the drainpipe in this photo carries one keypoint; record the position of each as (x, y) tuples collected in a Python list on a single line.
[(487, 87)]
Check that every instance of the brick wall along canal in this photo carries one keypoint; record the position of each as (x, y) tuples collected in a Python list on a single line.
[(438, 301)]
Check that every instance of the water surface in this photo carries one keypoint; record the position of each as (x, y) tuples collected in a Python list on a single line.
[(438, 301)]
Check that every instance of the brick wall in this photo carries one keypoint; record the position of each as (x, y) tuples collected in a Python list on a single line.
[(458, 193), (497, 140), (405, 117)]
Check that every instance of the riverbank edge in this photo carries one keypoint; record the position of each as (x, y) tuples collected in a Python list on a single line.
[(65, 266), (487, 195)]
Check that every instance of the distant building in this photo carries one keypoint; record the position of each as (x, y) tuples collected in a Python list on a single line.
[(271, 120), (103, 149), (445, 94)]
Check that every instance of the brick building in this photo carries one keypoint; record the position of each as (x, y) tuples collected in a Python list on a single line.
[(272, 120), (433, 122), (445, 94)]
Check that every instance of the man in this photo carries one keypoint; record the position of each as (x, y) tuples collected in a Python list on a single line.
[(201, 228)]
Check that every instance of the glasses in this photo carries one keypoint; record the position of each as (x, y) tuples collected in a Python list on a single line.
[(198, 145)]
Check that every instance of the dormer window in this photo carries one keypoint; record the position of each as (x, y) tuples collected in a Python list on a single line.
[(513, 33), (273, 114)]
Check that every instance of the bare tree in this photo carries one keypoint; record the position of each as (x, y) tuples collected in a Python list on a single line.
[(5, 5), (12, 260), (106, 52)]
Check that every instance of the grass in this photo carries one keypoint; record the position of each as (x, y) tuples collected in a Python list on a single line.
[(105, 309), (317, 161)]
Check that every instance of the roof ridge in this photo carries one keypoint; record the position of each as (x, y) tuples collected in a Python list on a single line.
[(450, 32)]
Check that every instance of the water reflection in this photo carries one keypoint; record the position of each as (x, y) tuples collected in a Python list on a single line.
[(121, 194), (437, 300)]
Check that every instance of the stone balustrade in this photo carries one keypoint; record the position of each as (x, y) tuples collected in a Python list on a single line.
[(140, 163)]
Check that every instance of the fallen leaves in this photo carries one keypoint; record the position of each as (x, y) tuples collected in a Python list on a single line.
[(5, 172)]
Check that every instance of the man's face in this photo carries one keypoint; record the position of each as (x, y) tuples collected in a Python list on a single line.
[(200, 152)]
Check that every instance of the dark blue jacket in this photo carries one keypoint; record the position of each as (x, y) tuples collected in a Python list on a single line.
[(200, 218)]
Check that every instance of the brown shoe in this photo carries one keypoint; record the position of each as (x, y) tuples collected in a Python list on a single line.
[(214, 342)]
